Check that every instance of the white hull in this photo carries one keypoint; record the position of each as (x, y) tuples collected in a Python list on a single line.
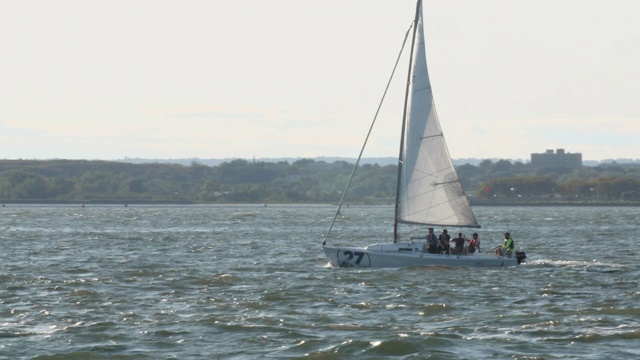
[(408, 254)]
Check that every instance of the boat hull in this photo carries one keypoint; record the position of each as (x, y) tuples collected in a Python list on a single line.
[(408, 254)]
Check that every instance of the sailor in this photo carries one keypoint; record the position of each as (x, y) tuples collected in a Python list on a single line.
[(474, 244), (507, 248), (432, 241), (459, 244), (443, 242)]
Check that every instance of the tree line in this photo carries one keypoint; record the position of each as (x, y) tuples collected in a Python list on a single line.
[(302, 181)]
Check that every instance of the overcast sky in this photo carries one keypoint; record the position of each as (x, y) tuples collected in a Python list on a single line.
[(303, 78)]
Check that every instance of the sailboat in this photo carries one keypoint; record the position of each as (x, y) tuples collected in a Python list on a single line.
[(428, 191)]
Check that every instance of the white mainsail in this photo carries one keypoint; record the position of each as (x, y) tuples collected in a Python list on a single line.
[(429, 191)]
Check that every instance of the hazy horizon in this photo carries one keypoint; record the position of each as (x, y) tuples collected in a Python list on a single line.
[(181, 79), (366, 160)]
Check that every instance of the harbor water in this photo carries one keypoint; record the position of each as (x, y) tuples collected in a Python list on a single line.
[(252, 282)]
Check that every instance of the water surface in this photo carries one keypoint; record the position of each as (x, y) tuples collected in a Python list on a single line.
[(246, 282)]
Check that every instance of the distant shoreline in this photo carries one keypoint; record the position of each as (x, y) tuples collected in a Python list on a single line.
[(126, 202), (98, 202), (560, 203)]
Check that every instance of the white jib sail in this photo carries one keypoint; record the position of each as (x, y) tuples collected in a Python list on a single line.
[(430, 190)]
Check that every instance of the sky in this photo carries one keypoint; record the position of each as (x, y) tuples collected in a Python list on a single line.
[(171, 79)]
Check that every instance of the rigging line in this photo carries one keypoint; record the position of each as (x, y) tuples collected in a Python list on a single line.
[(375, 117)]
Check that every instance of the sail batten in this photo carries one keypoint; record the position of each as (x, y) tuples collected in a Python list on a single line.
[(429, 190)]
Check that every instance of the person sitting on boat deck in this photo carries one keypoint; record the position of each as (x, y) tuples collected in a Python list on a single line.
[(443, 242), (507, 248), (432, 241), (459, 244), (474, 245)]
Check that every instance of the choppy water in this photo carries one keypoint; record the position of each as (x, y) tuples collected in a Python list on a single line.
[(247, 282)]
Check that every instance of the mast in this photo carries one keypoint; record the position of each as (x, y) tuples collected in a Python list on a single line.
[(404, 119)]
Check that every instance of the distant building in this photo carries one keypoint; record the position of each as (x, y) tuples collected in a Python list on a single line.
[(556, 159)]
